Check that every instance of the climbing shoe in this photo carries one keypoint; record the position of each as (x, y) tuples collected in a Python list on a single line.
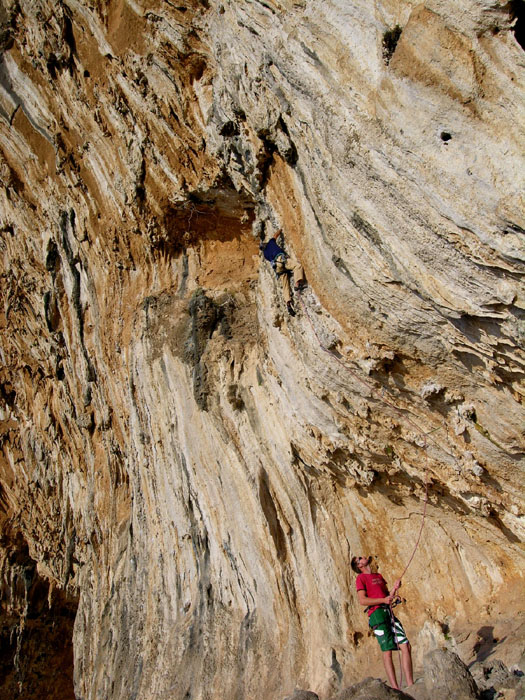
[(290, 308), (300, 285)]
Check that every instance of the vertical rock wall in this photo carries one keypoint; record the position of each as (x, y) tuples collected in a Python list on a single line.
[(181, 459)]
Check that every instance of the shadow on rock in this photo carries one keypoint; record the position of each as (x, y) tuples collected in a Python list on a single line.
[(486, 643)]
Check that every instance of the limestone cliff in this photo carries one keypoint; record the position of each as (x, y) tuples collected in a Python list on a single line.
[(185, 468)]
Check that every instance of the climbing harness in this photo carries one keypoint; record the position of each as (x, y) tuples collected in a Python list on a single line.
[(397, 601), (280, 259)]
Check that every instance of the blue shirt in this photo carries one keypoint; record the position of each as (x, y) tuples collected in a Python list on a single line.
[(272, 250)]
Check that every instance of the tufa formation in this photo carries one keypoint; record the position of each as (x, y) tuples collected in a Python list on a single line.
[(185, 468)]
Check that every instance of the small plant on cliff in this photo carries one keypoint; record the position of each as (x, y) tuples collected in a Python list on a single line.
[(390, 39), (517, 13)]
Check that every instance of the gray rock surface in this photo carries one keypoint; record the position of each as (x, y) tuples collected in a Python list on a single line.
[(492, 674), (371, 689), (302, 695), (446, 676)]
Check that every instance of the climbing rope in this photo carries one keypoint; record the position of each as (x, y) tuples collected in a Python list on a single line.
[(391, 606), (382, 398), (424, 513)]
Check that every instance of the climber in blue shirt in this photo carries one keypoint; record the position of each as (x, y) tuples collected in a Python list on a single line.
[(284, 264)]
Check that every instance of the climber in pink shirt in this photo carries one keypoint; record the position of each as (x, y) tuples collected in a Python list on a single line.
[(373, 593)]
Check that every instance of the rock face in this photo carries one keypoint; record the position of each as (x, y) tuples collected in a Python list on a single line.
[(446, 676), (371, 689), (183, 464), (302, 695), (493, 676)]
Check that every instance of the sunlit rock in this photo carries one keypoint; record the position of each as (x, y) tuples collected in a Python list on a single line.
[(184, 464)]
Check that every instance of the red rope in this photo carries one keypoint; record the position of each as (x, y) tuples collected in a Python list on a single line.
[(392, 616), (425, 501), (381, 398)]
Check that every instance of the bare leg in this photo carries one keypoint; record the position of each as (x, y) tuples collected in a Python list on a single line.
[(390, 670), (406, 662)]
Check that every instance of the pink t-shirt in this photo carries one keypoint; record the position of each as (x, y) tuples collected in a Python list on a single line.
[(374, 586)]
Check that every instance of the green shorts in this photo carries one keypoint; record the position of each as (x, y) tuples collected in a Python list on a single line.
[(387, 634)]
